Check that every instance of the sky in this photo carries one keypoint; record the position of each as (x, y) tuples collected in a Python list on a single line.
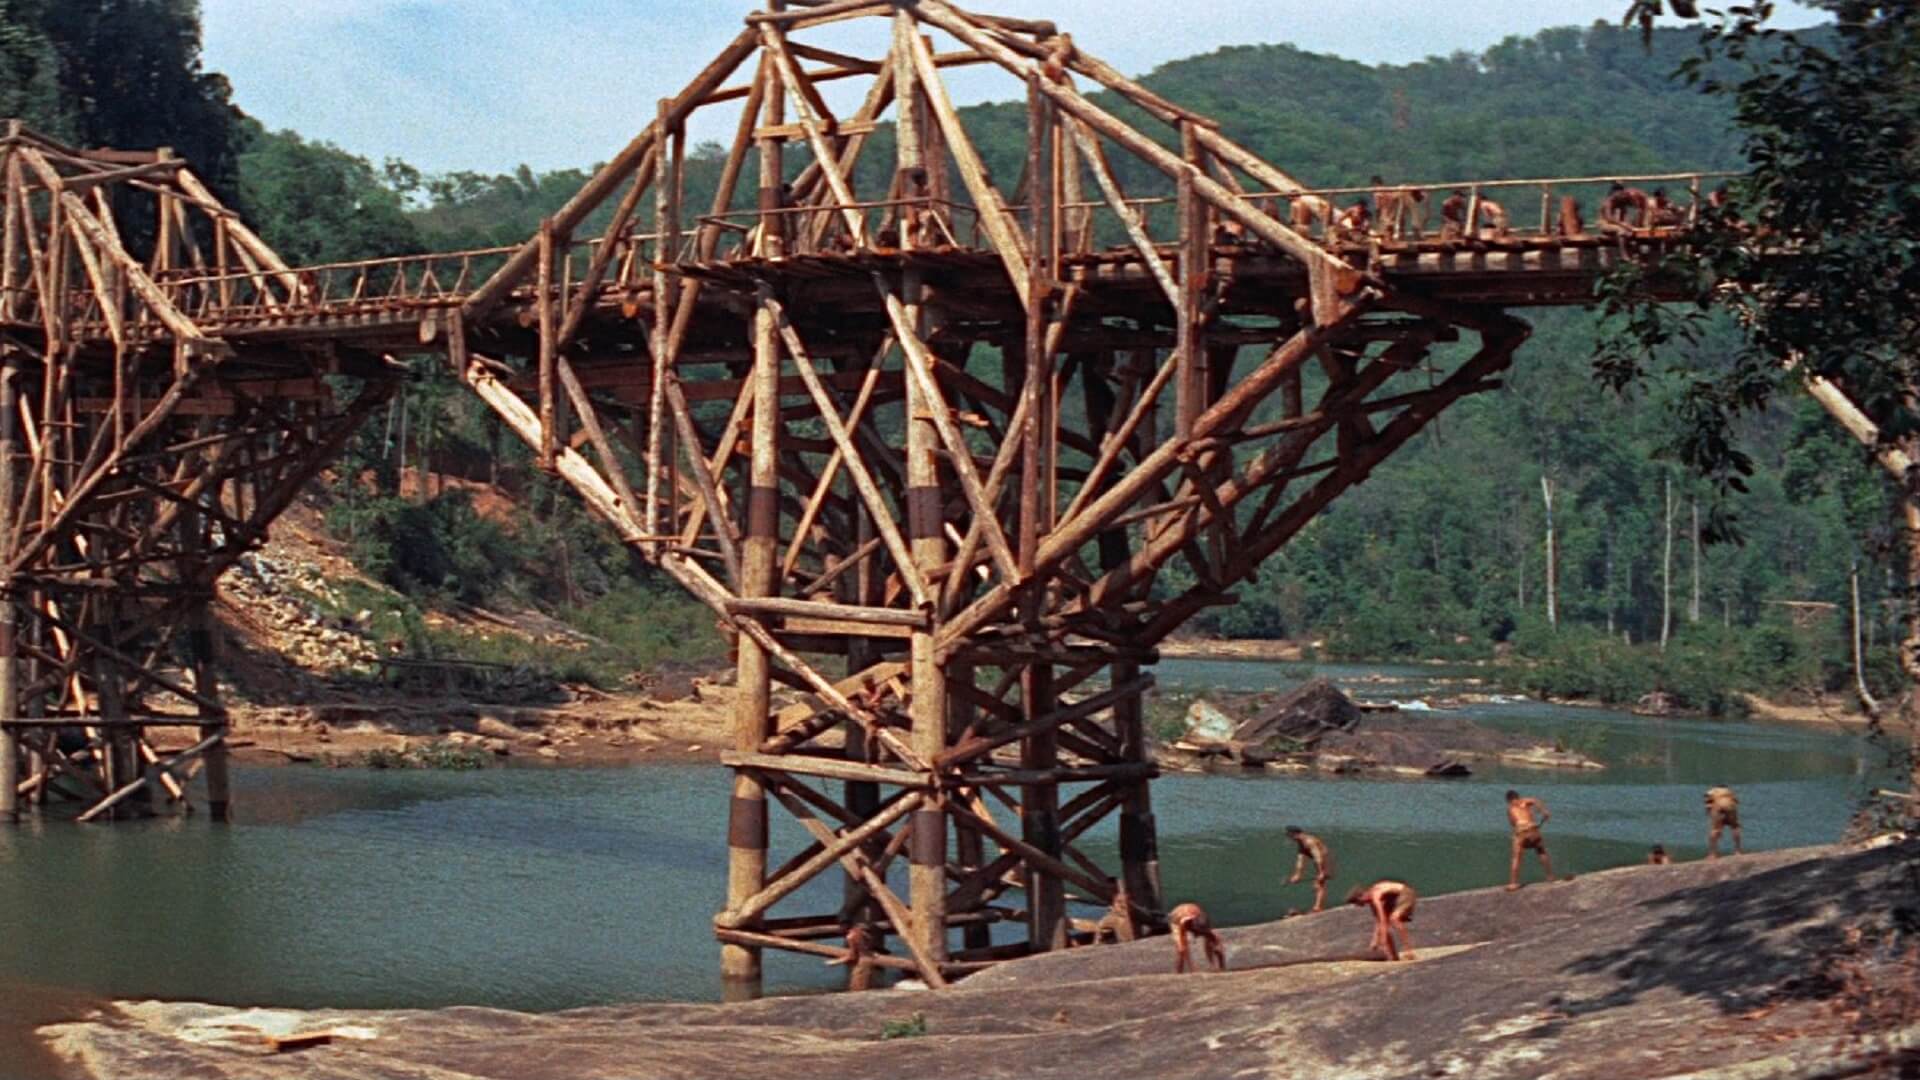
[(488, 85)]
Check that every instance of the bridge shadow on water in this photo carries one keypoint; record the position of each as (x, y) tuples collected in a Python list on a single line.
[(1752, 941)]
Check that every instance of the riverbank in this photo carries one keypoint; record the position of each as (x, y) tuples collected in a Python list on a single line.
[(595, 730), (1828, 711), (1765, 961)]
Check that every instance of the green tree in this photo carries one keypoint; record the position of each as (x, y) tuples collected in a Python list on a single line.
[(1817, 254), (315, 203), (130, 76)]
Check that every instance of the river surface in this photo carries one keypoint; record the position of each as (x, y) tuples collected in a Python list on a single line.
[(541, 888)]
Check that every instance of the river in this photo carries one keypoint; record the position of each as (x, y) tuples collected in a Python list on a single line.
[(542, 888)]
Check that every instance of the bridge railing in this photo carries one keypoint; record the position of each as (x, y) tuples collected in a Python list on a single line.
[(824, 228), (1521, 209), (1482, 210), (370, 286)]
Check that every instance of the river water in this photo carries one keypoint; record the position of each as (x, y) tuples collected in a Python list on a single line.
[(542, 889)]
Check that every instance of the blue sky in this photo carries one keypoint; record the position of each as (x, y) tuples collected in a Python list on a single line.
[(489, 84)]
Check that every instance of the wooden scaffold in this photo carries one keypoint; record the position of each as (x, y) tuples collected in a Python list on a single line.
[(141, 455), (927, 444)]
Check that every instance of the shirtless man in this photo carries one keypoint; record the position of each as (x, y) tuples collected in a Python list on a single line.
[(1190, 919), (1307, 209), (1313, 849), (1493, 218), (1392, 905), (1658, 856), (1526, 834), (1399, 210), (1723, 812), (1624, 208), (1118, 920), (1663, 213), (858, 959), (1453, 216), (1355, 222)]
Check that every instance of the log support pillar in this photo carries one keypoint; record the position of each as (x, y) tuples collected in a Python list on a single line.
[(10, 748), (1139, 846), (747, 820)]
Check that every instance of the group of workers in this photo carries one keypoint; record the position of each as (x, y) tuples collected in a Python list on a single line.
[(1398, 213), (1392, 902)]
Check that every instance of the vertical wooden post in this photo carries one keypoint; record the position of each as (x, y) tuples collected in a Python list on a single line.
[(204, 645), (663, 319), (1139, 846), (926, 514), (9, 668), (862, 796), (968, 846), (1190, 395), (549, 384), (747, 824), (740, 972), (1040, 821)]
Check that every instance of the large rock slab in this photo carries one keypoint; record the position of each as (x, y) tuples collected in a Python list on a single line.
[(1640, 972)]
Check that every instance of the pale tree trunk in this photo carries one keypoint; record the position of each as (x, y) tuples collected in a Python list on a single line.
[(1867, 701), (1910, 653), (1693, 608), (1611, 594), (1666, 570), (1553, 569)]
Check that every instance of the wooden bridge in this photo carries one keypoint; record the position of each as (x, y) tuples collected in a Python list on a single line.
[(923, 440)]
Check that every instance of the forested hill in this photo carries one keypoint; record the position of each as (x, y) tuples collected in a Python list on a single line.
[(1444, 550), (1564, 102)]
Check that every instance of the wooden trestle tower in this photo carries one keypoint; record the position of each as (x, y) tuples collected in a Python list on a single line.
[(928, 424), (141, 454), (924, 440)]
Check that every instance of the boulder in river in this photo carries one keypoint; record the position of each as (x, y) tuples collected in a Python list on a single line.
[(1300, 717)]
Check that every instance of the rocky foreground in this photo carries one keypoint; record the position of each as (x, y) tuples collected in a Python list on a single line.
[(1786, 964)]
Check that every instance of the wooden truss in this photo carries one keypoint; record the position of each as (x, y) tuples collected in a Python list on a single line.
[(948, 457), (140, 456)]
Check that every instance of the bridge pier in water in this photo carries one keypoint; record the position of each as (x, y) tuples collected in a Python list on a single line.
[(926, 443)]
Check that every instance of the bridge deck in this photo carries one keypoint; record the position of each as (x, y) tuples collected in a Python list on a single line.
[(1519, 271)]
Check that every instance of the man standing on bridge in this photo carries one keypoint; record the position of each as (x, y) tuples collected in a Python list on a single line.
[(1624, 209)]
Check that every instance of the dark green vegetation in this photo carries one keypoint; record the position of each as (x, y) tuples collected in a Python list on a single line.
[(1443, 553)]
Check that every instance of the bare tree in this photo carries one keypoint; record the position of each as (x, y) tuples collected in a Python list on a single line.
[(1666, 570), (1693, 607), (1553, 569)]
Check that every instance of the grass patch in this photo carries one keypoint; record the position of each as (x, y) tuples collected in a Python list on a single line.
[(911, 1028), (439, 755)]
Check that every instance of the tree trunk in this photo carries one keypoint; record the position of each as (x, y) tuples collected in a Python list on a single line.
[(1910, 652), (1611, 595), (1553, 598), (1666, 570), (1867, 701), (1693, 608)]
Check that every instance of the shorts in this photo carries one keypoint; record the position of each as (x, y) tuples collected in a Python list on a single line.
[(1529, 838), (1725, 817)]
